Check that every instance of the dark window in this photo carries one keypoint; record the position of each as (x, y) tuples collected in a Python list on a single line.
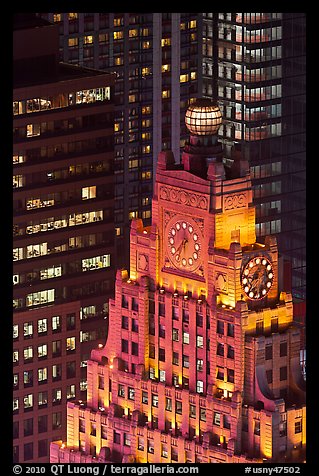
[(161, 354), (56, 348), (134, 325), (124, 322), (220, 348), (15, 432), (175, 313), (220, 327), (152, 351), (161, 309), (101, 382), (134, 348), (283, 349), (70, 369), (125, 346), (230, 352), (199, 320), (42, 423), (268, 352), (134, 304), (230, 330), (298, 426), (56, 421), (259, 327), (70, 322), (151, 326), (186, 361), (178, 407), (124, 301), (274, 324), (283, 373), (42, 448), (117, 437), (226, 422), (151, 306), (175, 358), (161, 330), (230, 375), (186, 316), (28, 451), (269, 376)]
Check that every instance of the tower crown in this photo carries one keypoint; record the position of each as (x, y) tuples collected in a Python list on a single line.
[(203, 117)]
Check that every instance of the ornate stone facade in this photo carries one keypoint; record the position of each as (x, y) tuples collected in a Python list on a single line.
[(201, 362)]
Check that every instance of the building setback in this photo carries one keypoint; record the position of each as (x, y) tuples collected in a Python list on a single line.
[(63, 230), (201, 363)]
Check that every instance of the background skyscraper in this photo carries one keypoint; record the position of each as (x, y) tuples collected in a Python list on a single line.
[(63, 230)]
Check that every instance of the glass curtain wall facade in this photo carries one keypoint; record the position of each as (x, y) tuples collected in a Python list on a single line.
[(156, 58), (254, 64)]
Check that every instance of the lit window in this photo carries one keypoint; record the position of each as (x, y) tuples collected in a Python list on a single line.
[(33, 130), (166, 68), (73, 42), (146, 175), (166, 42), (133, 214), (132, 33), (199, 386), (15, 331), (27, 330), (162, 376), (185, 338), (132, 98), (28, 401), (217, 418), (88, 39), (199, 342), (73, 16), (146, 45), (15, 404), (28, 353), (118, 35), (183, 78), (127, 439), (42, 375), (88, 192), (96, 262), (70, 344), (40, 297), (146, 109), (118, 61), (56, 323), (70, 391), (57, 17), (166, 93), (192, 24), (145, 71), (42, 351), (15, 358)]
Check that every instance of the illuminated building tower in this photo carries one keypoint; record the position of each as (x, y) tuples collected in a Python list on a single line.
[(63, 230), (201, 363), (156, 60), (254, 64)]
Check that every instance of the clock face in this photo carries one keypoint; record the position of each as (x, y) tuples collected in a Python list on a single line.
[(257, 277), (184, 243)]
